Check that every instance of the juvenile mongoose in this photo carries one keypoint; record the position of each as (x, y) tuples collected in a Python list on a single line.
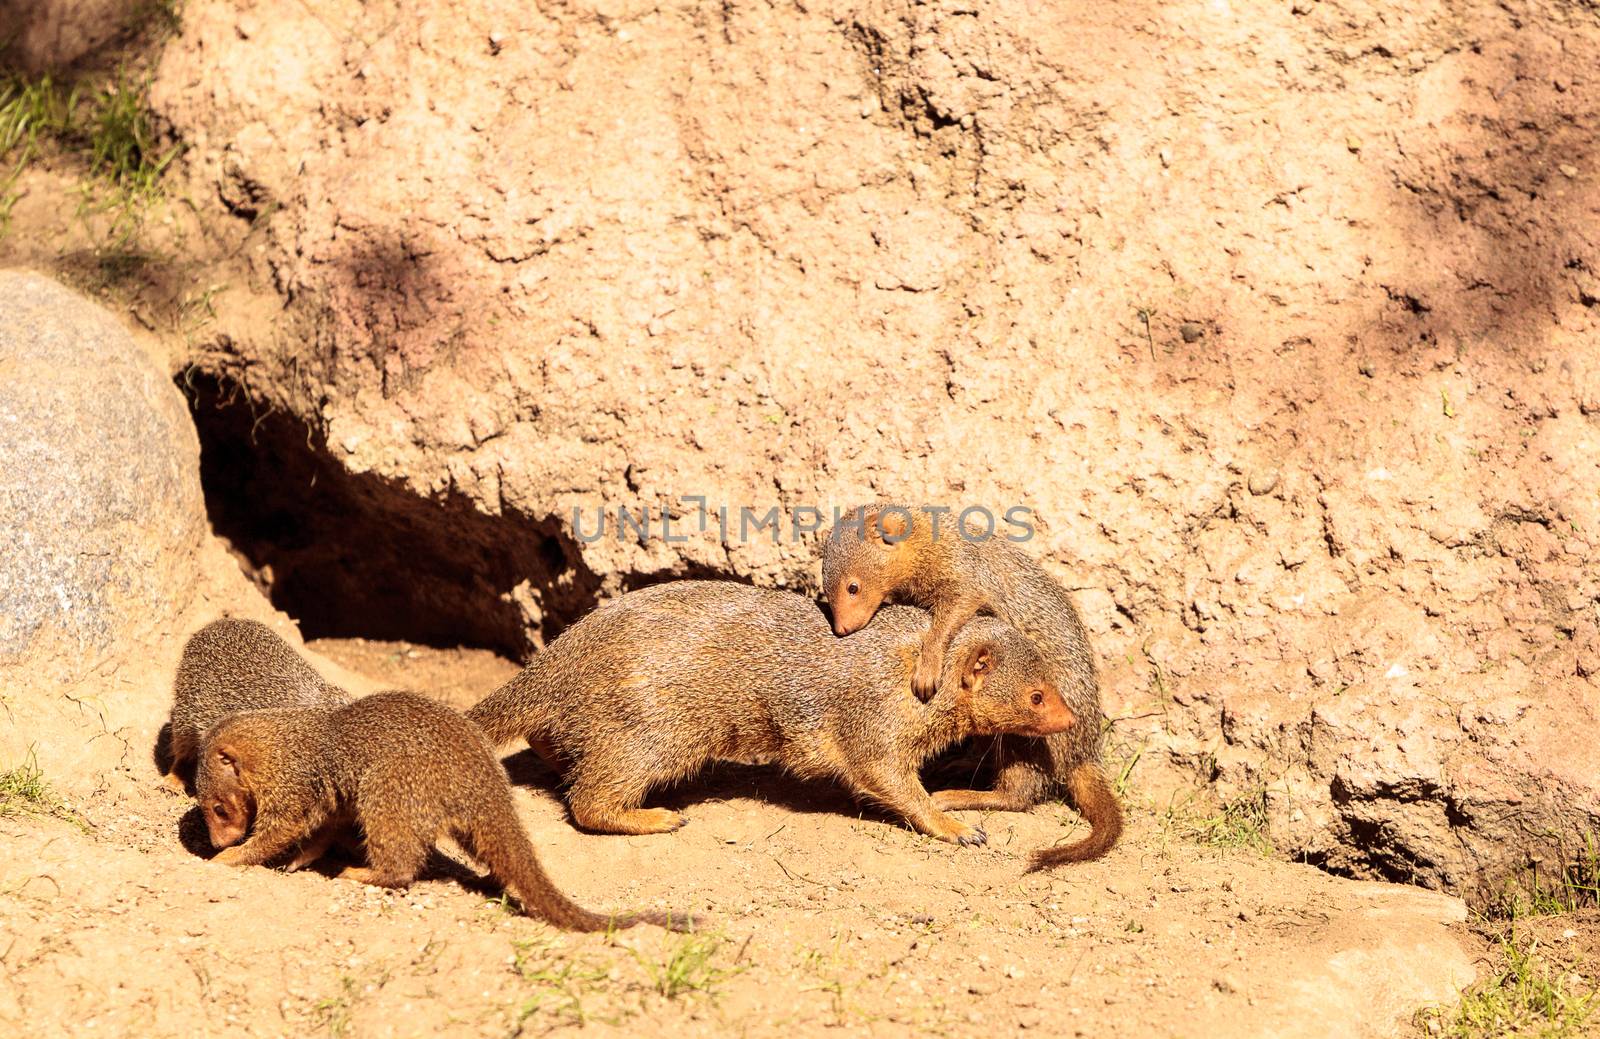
[(888, 550), (405, 770), (649, 688), (236, 665)]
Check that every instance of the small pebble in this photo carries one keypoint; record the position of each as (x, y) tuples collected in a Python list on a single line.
[(1191, 331), (1263, 482), (1568, 170)]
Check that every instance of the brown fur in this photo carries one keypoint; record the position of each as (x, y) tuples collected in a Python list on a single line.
[(404, 769), (899, 552), (651, 687), (236, 665)]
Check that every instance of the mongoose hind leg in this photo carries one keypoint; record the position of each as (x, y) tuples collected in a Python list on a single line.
[(981, 801), (395, 860), (905, 795), (603, 805), (1024, 772)]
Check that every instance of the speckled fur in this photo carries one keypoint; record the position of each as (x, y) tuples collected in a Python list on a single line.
[(405, 770), (649, 688), (955, 577), (236, 665)]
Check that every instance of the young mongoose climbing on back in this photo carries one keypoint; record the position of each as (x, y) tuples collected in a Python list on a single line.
[(883, 550), (405, 770), (236, 665), (649, 688)]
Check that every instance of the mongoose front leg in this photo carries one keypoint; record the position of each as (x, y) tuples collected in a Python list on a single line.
[(906, 795), (947, 620), (313, 849), (181, 749), (1024, 766), (269, 840)]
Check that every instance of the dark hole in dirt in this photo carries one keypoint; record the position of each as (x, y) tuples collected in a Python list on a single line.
[(361, 555)]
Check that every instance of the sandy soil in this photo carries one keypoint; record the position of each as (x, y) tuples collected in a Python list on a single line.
[(823, 916)]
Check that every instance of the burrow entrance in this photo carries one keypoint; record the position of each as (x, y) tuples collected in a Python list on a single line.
[(361, 555)]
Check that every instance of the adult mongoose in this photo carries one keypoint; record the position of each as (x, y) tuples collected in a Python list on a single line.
[(654, 685), (405, 770), (236, 665), (884, 550)]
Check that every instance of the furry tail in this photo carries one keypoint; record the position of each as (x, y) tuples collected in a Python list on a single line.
[(1091, 794), (510, 856), (517, 710)]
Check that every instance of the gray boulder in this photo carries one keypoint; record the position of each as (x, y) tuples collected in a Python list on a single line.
[(100, 503)]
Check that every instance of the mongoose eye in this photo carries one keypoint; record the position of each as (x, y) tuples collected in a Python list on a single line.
[(1037, 698), (220, 811), (853, 589)]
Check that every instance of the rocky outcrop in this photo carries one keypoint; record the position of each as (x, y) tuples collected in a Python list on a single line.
[(1282, 320)]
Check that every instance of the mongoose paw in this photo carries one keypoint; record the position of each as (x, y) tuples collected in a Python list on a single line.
[(662, 820), (230, 857), (172, 783), (925, 680), (973, 837)]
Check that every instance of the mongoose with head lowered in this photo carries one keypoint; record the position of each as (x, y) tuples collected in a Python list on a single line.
[(404, 769), (236, 665), (889, 550), (652, 686)]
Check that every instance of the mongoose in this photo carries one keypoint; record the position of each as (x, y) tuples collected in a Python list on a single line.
[(888, 550), (652, 686), (402, 768), (236, 665)]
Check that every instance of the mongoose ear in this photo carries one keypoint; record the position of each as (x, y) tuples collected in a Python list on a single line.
[(975, 668), (887, 526), (228, 758)]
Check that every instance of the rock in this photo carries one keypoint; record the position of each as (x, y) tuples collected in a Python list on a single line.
[(1263, 482), (1191, 331), (99, 482)]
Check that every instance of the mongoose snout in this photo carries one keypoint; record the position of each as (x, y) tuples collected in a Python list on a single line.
[(1050, 711), (229, 808)]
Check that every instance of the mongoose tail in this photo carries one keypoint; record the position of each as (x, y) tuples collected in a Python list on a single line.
[(1091, 793), (510, 856)]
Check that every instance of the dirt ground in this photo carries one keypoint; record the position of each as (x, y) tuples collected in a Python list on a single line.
[(822, 916)]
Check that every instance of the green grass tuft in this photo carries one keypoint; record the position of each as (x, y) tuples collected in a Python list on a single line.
[(562, 984), (24, 791), (687, 966), (1574, 884), (1234, 823), (107, 128), (1530, 995), (1536, 989)]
